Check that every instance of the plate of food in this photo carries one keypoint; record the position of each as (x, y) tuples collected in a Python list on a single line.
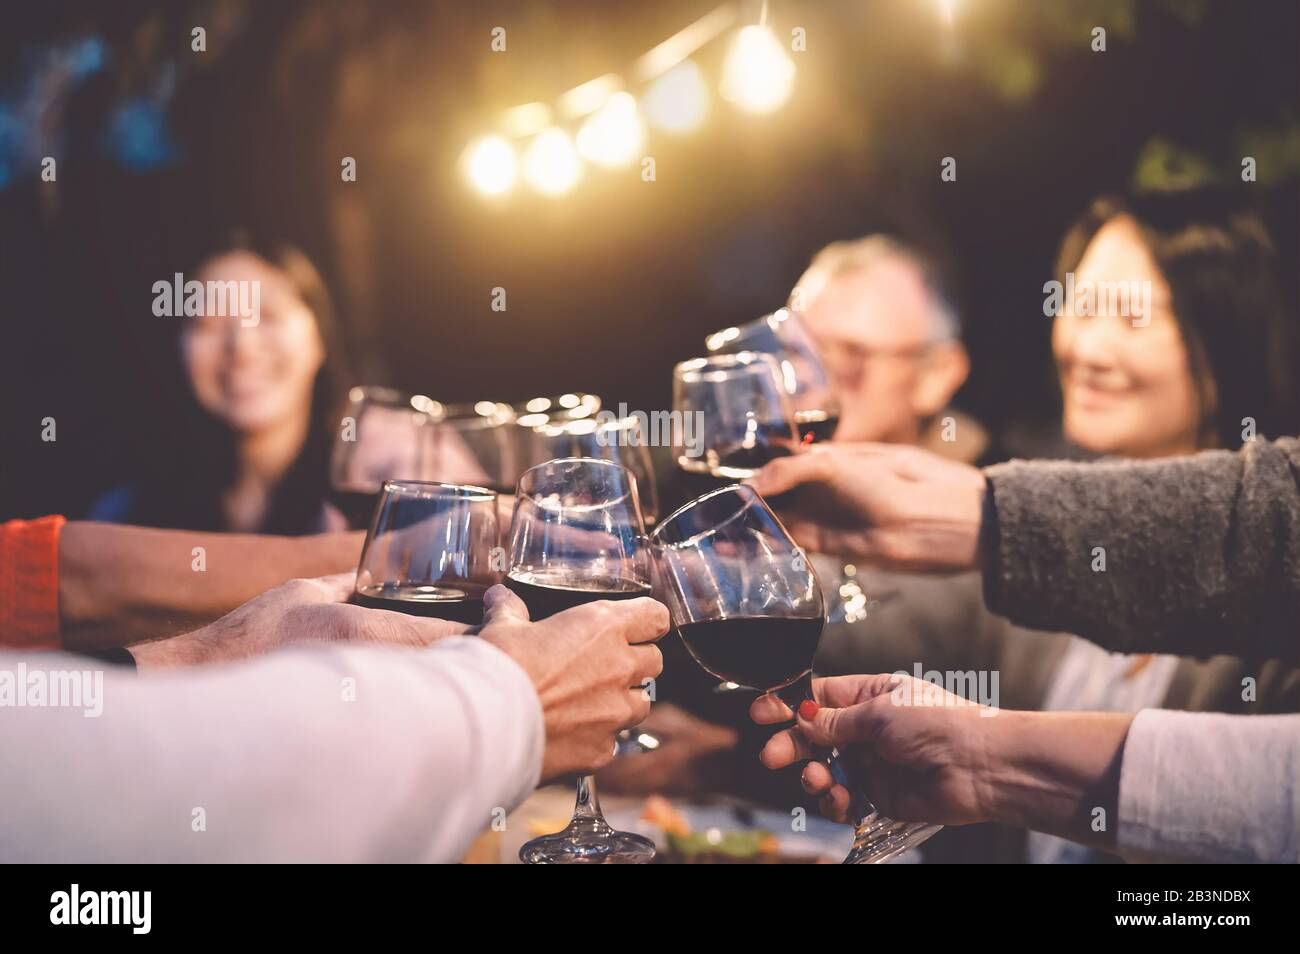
[(734, 833)]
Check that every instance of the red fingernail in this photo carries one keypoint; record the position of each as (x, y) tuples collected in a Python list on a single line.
[(808, 710)]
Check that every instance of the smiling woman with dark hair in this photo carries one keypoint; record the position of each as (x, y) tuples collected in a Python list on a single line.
[(1212, 364), (253, 455)]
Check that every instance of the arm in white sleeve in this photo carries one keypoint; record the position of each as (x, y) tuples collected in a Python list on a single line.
[(326, 754), (1202, 786)]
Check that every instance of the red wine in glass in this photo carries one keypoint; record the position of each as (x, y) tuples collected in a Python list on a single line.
[(815, 426), (765, 652), (744, 414), (741, 462), (783, 335), (462, 603), (356, 505), (429, 551), (546, 595)]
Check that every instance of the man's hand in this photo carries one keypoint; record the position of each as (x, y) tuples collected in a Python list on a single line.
[(882, 504), (300, 611), (918, 752), (587, 665)]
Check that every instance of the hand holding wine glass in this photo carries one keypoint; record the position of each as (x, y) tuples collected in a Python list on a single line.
[(577, 538), (914, 748), (295, 613), (583, 663), (749, 608), (883, 504), (926, 754)]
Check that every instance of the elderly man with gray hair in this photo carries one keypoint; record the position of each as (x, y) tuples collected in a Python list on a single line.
[(890, 339)]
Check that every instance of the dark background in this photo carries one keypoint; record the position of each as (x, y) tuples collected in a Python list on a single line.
[(611, 284)]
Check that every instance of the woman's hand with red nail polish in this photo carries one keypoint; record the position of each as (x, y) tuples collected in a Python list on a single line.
[(916, 751)]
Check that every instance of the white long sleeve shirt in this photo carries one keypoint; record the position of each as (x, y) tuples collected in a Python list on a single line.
[(1203, 786), (341, 753)]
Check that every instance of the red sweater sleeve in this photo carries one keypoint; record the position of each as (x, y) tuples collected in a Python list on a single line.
[(29, 583)]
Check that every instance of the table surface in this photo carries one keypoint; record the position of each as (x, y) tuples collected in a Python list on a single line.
[(550, 808)]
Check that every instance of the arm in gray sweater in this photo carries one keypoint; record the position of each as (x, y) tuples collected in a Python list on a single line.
[(1196, 555)]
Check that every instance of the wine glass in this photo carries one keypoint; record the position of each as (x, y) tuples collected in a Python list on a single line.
[(577, 536), (744, 419), (470, 444), (572, 406), (381, 437), (542, 411), (783, 335), (749, 608), (743, 410), (620, 440), (429, 551)]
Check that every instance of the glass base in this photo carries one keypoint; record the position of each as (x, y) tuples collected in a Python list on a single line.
[(876, 839), (588, 841), (879, 839)]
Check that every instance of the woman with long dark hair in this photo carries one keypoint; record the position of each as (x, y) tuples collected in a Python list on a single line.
[(253, 453), (1215, 360)]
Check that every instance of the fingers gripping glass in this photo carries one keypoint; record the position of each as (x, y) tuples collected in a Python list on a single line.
[(747, 603), (577, 536)]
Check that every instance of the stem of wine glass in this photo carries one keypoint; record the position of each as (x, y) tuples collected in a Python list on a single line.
[(586, 810), (876, 838)]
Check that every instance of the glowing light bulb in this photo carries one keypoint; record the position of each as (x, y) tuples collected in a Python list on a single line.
[(758, 74), (491, 165), (551, 164), (613, 135), (678, 101)]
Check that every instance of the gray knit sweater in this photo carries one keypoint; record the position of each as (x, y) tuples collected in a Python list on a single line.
[(1202, 553)]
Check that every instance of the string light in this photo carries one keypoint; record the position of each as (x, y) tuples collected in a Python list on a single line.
[(758, 74), (678, 101), (526, 120), (614, 134), (491, 165), (551, 164), (758, 77), (590, 96)]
